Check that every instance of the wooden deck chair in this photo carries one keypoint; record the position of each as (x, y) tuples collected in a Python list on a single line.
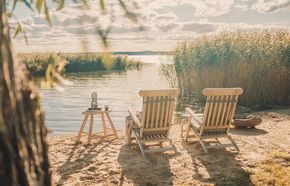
[(154, 125), (218, 114)]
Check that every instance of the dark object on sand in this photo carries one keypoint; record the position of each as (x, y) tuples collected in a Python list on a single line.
[(247, 122)]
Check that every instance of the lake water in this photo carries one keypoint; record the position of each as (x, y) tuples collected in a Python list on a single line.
[(118, 89)]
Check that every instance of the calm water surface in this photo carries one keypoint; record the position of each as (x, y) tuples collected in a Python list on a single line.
[(118, 89)]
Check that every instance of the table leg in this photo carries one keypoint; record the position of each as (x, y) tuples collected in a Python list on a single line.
[(181, 126), (111, 124), (82, 127), (104, 124), (91, 128)]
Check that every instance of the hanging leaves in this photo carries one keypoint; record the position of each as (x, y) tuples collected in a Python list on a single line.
[(128, 13), (47, 16), (18, 30), (25, 36), (27, 4), (102, 5), (39, 4), (103, 34), (61, 5), (9, 14)]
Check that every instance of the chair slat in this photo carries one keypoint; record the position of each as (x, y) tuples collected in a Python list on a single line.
[(209, 113), (157, 124), (155, 129), (206, 108), (171, 110), (144, 111), (225, 104), (229, 110), (149, 113), (165, 124), (153, 105), (215, 105), (233, 109), (217, 121)]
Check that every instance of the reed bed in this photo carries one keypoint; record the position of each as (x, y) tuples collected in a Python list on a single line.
[(259, 62), (37, 63)]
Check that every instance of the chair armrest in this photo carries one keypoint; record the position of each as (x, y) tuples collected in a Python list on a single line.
[(193, 115), (134, 117)]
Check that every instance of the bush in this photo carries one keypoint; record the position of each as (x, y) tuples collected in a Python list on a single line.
[(259, 62), (38, 62)]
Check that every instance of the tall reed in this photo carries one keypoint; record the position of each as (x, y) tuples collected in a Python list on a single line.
[(259, 62)]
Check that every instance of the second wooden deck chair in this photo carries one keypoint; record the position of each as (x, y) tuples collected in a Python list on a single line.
[(156, 118), (218, 114)]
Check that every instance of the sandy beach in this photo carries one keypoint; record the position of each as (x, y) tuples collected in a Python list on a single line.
[(109, 161)]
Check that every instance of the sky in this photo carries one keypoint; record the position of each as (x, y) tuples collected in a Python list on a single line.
[(161, 25)]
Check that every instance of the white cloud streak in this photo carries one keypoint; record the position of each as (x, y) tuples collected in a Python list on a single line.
[(160, 23)]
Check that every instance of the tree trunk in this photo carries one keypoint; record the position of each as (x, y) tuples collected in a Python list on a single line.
[(23, 147)]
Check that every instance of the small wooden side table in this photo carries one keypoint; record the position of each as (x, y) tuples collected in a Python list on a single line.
[(92, 113)]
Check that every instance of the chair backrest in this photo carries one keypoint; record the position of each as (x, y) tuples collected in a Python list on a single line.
[(157, 111), (219, 108)]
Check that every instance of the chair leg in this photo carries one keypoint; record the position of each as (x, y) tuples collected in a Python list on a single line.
[(173, 146), (187, 132), (140, 144), (141, 148), (234, 143), (181, 127), (82, 127), (129, 133), (203, 145)]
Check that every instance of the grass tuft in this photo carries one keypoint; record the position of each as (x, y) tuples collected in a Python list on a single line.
[(275, 170)]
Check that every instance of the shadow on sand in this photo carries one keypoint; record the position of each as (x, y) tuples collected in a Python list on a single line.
[(248, 131), (218, 167), (80, 157), (155, 170)]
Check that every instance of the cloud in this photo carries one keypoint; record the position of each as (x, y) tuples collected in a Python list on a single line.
[(270, 6), (212, 7), (167, 27), (159, 23), (199, 27)]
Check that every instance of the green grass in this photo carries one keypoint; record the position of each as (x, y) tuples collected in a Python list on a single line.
[(259, 62), (37, 63)]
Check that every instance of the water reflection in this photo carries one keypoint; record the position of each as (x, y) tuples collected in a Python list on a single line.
[(118, 89)]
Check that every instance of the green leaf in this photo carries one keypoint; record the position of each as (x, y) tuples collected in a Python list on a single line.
[(39, 4), (85, 2), (27, 4), (47, 16), (17, 30), (123, 5), (128, 13), (14, 5), (102, 5), (25, 37), (103, 35), (9, 14), (61, 5)]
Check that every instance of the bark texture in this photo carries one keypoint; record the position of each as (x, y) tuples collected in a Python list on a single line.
[(23, 146)]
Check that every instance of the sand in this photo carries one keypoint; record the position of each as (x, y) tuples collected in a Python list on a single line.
[(109, 161)]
